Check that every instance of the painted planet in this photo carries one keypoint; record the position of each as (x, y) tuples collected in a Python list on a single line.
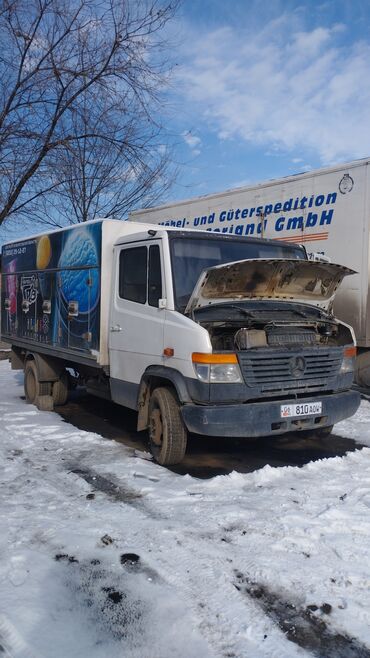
[(43, 254), (81, 285)]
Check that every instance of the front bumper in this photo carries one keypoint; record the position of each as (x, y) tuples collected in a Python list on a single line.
[(255, 419)]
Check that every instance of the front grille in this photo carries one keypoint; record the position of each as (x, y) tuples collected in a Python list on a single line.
[(272, 372)]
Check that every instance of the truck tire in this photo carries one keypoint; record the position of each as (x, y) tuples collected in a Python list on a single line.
[(44, 403), (60, 389), (167, 432), (33, 389)]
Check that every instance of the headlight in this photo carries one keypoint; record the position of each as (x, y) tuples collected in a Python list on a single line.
[(217, 368), (348, 363)]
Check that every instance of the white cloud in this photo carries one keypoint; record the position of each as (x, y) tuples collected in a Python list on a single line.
[(283, 87), (192, 141)]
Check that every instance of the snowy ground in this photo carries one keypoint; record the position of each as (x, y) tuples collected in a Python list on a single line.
[(103, 553)]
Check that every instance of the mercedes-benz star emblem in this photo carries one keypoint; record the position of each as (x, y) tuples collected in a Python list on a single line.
[(297, 366)]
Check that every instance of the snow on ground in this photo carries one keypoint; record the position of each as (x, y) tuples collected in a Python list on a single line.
[(104, 553)]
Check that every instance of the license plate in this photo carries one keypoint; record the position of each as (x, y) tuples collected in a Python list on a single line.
[(301, 409)]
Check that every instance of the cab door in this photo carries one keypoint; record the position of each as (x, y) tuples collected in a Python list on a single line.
[(136, 325)]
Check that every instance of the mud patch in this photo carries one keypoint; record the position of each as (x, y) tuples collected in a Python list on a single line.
[(115, 490), (110, 603), (106, 540), (130, 559), (109, 487), (113, 595), (301, 625), (133, 563), (119, 611), (65, 557)]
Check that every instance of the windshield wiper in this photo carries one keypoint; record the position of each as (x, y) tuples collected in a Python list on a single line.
[(225, 304)]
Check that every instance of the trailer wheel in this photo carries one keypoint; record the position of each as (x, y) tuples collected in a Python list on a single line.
[(167, 432), (60, 389), (33, 389)]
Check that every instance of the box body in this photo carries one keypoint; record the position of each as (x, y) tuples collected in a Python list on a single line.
[(56, 290)]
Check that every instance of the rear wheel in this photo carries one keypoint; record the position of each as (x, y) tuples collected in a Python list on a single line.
[(33, 388), (60, 389), (167, 432)]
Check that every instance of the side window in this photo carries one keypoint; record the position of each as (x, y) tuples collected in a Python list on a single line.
[(133, 274), (155, 277)]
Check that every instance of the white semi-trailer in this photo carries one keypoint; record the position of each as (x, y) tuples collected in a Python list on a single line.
[(199, 332), (327, 210)]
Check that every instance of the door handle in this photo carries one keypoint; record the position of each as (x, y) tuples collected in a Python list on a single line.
[(116, 327)]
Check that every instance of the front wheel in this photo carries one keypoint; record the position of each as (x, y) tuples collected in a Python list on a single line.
[(167, 432)]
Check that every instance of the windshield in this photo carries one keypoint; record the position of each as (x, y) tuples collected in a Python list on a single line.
[(190, 256)]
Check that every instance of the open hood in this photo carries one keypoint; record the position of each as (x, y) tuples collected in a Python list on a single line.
[(302, 281)]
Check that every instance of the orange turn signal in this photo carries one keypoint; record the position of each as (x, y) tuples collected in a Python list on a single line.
[(200, 357), (350, 351)]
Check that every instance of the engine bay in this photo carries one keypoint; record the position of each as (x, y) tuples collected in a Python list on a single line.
[(276, 325)]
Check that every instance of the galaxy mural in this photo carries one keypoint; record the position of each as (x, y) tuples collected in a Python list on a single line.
[(51, 288)]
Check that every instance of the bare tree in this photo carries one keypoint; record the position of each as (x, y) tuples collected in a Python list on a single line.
[(80, 84), (120, 161)]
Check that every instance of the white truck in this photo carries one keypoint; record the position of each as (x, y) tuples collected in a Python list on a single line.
[(327, 210), (199, 332)]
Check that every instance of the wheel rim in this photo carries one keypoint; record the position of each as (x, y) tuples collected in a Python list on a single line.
[(156, 428)]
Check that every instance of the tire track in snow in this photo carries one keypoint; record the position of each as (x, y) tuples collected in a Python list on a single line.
[(114, 489), (232, 635), (236, 634), (232, 630), (301, 625), (12, 644)]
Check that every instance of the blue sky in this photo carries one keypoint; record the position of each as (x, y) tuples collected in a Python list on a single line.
[(264, 89), (267, 89)]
